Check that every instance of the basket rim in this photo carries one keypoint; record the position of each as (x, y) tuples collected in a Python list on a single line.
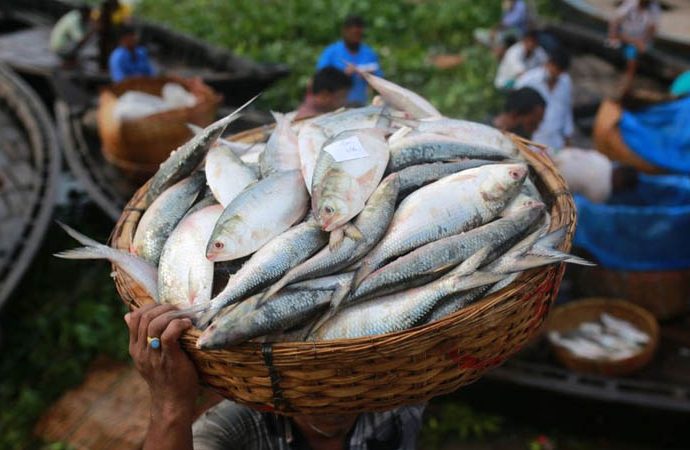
[(535, 154)]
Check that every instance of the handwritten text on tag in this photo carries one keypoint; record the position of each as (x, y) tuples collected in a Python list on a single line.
[(346, 149)]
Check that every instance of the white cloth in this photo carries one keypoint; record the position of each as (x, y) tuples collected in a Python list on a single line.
[(135, 104), (587, 172), (515, 62), (635, 22), (558, 118)]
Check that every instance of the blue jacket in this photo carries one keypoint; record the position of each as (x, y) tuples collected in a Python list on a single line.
[(337, 55), (123, 64)]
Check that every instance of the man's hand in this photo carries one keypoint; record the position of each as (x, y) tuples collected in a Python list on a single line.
[(170, 374), (350, 69)]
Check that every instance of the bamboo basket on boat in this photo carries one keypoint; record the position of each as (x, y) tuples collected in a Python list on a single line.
[(382, 372), (609, 141), (570, 316), (137, 147)]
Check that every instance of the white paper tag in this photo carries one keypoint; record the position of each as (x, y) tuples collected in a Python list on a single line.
[(346, 149)]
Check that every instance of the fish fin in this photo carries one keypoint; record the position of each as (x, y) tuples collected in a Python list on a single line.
[(364, 271), (399, 134), (336, 300), (336, 239), (194, 128), (353, 232), (553, 239), (82, 253), (561, 256), (472, 263)]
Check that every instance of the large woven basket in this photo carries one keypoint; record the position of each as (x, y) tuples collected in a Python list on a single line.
[(380, 372), (609, 141), (137, 147)]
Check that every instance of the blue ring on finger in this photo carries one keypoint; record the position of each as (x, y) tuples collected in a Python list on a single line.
[(154, 342)]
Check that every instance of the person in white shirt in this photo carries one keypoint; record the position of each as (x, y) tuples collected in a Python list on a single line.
[(518, 59), (632, 29), (554, 84)]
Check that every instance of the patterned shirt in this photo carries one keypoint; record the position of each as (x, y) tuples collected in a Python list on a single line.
[(230, 426)]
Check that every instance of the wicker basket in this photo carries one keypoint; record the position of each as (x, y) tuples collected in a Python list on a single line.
[(666, 294), (608, 140), (568, 317), (379, 372), (137, 147)]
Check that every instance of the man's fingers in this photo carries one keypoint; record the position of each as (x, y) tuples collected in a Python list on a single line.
[(172, 334), (133, 324), (160, 323), (146, 318)]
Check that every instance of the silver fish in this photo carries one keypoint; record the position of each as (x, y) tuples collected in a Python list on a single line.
[(187, 157), (401, 98), (372, 223), (141, 271), (414, 177), (163, 215), (226, 174), (185, 275), (446, 207), (327, 283), (428, 148), (268, 264), (439, 256), (261, 212), (456, 302), (284, 311), (281, 151)]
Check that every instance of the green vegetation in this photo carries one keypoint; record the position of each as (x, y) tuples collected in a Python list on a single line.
[(63, 315), (404, 33), (452, 420)]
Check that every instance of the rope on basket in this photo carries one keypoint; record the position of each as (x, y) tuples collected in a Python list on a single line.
[(279, 402)]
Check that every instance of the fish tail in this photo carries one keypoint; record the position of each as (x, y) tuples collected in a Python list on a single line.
[(336, 239), (82, 253), (561, 256), (472, 263), (81, 238), (553, 239), (364, 271)]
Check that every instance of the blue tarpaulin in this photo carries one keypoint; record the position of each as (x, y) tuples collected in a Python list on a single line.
[(660, 134), (647, 228)]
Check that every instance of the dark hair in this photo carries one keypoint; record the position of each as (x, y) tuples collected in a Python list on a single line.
[(560, 58), (532, 34), (125, 30), (330, 79), (523, 101), (353, 21)]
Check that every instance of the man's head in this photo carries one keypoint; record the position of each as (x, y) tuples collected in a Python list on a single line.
[(530, 41), (329, 88), (128, 37), (523, 111), (353, 32), (558, 63)]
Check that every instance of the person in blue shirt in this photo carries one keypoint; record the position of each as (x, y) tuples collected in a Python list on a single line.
[(129, 59), (350, 55)]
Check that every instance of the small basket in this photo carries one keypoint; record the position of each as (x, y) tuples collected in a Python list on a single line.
[(609, 141), (567, 317), (137, 147), (378, 373)]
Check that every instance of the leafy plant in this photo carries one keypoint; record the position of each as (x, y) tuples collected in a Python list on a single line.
[(459, 421)]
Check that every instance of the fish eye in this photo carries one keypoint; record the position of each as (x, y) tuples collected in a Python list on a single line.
[(328, 210), (219, 245)]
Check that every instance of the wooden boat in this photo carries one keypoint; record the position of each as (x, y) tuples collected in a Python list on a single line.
[(673, 34), (29, 170), (24, 29)]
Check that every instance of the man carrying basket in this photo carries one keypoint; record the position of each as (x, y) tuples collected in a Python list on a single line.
[(173, 385)]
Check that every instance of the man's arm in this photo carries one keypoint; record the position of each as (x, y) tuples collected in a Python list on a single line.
[(117, 73), (169, 373), (324, 59), (147, 63)]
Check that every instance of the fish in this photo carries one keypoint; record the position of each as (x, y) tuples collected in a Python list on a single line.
[(261, 212), (341, 187), (624, 329), (141, 271), (252, 156), (463, 130), (439, 256), (414, 177), (185, 275), (207, 200), (401, 98), (238, 148), (268, 264), (227, 176), (281, 153), (395, 312), (455, 303), (446, 207), (310, 139), (520, 202), (372, 222), (327, 283), (189, 155), (428, 148), (161, 217), (285, 311)]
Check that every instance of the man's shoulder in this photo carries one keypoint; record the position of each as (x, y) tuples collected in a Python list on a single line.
[(531, 76), (117, 54), (333, 47)]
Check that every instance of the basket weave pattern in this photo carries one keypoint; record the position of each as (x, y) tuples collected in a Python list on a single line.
[(383, 372), (139, 146)]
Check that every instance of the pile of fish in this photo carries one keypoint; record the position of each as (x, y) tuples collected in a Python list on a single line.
[(608, 339), (354, 223)]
